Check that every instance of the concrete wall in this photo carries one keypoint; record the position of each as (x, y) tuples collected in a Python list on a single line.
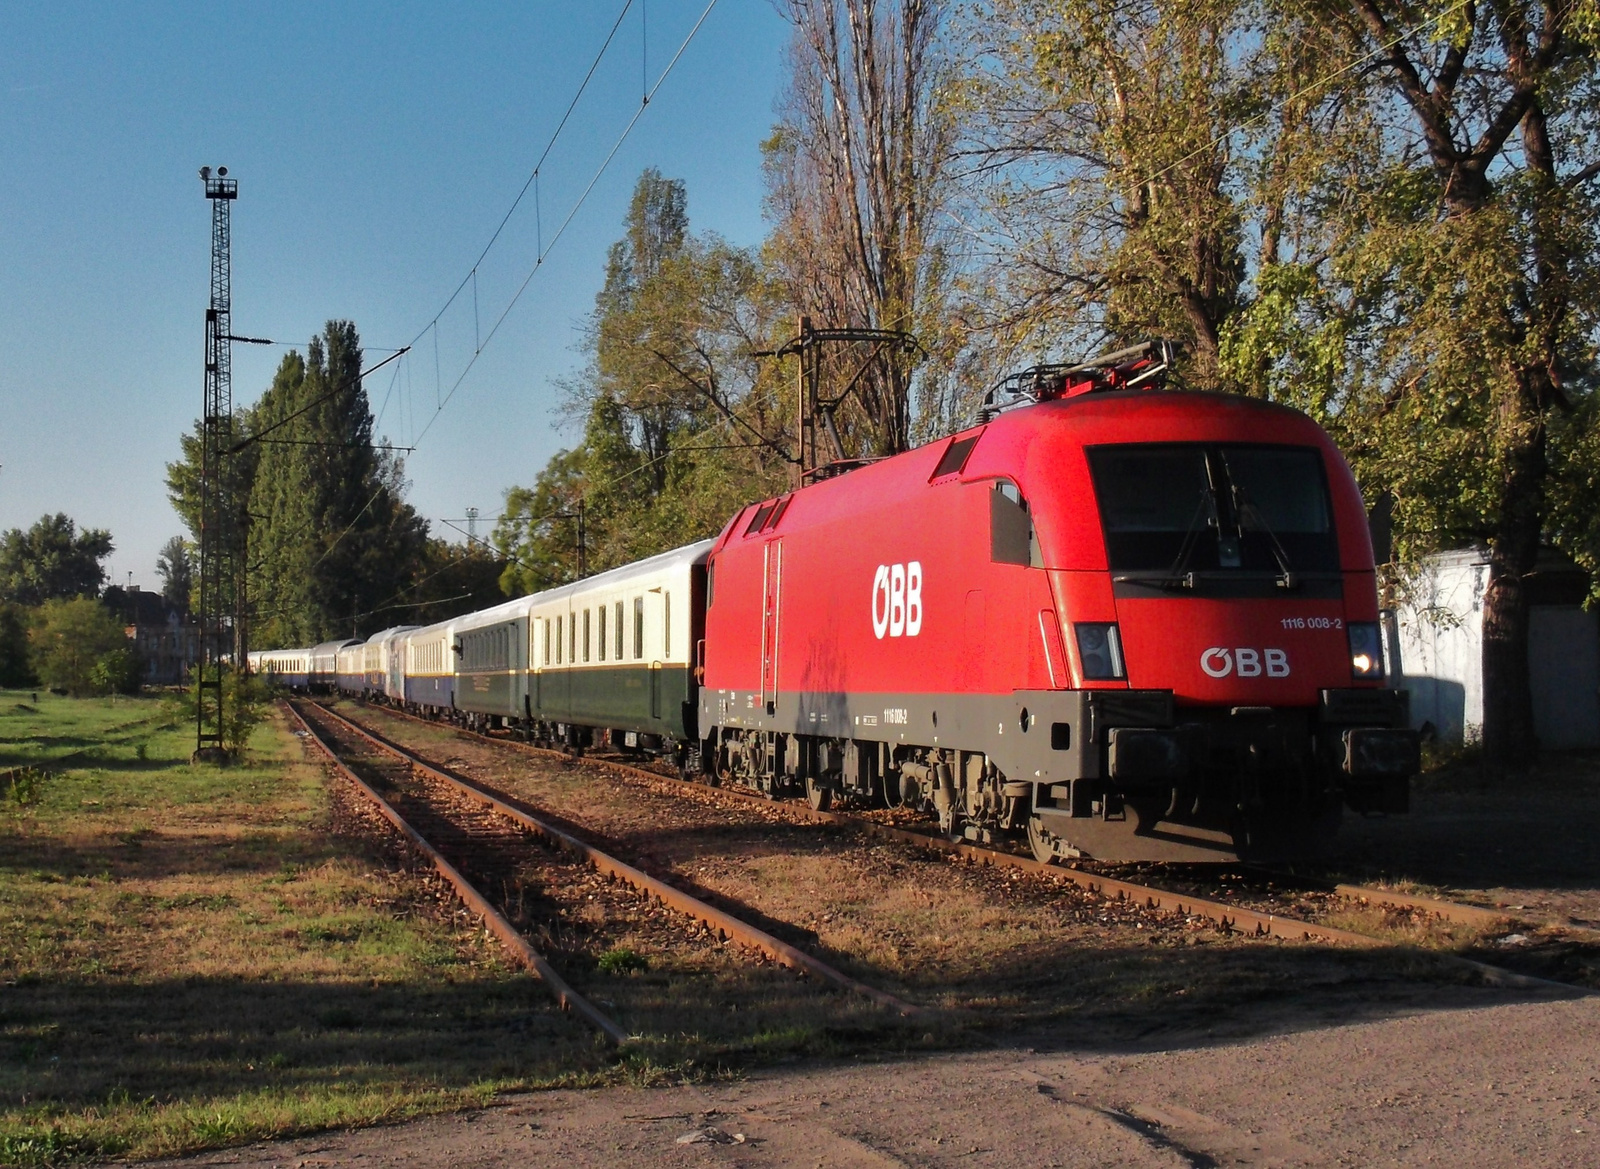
[(1434, 649)]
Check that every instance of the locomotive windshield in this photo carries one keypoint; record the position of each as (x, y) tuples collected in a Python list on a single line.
[(1181, 508)]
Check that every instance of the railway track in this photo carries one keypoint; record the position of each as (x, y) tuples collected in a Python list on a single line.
[(1226, 916), (485, 831)]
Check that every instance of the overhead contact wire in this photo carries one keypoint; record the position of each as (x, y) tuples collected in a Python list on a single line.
[(571, 214)]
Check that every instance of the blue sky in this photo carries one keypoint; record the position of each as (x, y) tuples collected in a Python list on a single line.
[(376, 149)]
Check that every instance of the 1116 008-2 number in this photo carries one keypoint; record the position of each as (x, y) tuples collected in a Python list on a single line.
[(1313, 622)]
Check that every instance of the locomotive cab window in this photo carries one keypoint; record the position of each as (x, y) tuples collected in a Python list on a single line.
[(1180, 508), (1012, 539)]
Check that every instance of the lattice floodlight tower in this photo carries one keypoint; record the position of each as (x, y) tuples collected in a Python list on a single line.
[(220, 561)]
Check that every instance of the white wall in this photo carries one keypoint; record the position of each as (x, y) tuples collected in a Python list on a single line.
[(1437, 635)]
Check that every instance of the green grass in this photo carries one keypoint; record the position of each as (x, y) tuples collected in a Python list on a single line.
[(190, 958)]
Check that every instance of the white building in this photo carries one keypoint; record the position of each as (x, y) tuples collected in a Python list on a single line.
[(1433, 647)]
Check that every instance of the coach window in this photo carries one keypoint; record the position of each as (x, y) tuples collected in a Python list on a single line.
[(558, 640), (572, 640), (586, 635), (619, 631), (638, 628), (600, 631), (544, 633)]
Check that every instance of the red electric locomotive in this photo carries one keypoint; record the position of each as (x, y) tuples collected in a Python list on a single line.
[(1133, 623)]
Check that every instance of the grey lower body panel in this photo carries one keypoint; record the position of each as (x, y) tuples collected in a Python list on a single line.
[(1124, 774)]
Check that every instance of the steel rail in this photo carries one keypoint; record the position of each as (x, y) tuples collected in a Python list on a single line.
[(1229, 918), (724, 923), (1456, 911), (508, 934)]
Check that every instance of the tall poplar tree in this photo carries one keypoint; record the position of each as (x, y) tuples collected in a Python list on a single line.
[(332, 540)]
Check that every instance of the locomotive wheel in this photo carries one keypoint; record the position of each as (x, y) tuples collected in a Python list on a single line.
[(1043, 851), (818, 797)]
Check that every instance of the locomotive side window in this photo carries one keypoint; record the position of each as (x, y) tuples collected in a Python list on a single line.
[(638, 627), (1012, 539)]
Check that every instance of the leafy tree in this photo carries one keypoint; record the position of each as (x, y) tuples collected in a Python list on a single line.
[(15, 669), (69, 641), (52, 560), (859, 179), (682, 423), (1444, 318), (330, 534), (118, 671), (176, 567), (1125, 150)]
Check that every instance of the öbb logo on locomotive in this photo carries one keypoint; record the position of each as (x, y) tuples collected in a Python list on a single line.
[(897, 600), (1245, 662)]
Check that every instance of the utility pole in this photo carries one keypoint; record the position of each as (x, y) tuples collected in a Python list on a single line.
[(472, 527), (811, 407), (217, 570)]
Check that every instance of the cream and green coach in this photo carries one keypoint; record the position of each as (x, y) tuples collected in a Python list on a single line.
[(615, 652)]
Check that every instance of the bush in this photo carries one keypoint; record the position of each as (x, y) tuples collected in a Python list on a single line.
[(68, 641), (15, 670), (118, 672), (244, 705)]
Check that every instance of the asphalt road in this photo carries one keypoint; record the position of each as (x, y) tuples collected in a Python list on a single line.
[(1480, 1081)]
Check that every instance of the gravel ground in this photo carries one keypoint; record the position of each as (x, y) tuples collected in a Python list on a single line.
[(1473, 1081)]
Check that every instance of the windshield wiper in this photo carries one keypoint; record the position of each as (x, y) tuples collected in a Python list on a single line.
[(1179, 576), (1248, 512)]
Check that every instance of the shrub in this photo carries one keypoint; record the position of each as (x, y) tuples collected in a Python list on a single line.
[(67, 642), (244, 705)]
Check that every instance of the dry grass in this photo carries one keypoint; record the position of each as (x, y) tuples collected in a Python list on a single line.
[(997, 949), (189, 957)]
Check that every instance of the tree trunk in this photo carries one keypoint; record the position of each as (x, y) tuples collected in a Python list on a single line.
[(1509, 743)]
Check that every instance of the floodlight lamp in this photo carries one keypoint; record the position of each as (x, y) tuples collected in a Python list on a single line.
[(205, 172), (222, 172)]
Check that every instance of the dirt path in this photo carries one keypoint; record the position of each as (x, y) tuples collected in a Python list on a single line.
[(1486, 1084)]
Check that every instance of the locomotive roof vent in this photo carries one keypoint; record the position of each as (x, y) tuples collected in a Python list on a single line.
[(1144, 365)]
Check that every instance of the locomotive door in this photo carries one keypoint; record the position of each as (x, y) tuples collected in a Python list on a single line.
[(772, 576)]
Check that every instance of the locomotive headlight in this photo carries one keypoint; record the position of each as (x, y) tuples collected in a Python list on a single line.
[(1100, 650), (1366, 650)]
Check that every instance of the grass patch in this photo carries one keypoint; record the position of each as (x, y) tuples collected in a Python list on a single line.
[(190, 958)]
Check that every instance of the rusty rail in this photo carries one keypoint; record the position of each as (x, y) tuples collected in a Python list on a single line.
[(724, 923), (1226, 917), (503, 929), (1473, 915)]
